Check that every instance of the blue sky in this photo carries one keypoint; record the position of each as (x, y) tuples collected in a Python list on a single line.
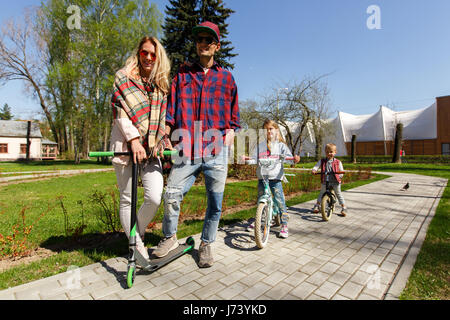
[(404, 65)]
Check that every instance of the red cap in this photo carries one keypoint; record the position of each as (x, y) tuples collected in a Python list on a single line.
[(208, 27)]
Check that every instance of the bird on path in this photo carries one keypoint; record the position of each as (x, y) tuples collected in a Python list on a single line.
[(405, 187)]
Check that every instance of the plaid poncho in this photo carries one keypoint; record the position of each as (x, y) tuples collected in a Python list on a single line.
[(144, 105)]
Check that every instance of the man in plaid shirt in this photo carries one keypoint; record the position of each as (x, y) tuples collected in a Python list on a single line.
[(202, 115)]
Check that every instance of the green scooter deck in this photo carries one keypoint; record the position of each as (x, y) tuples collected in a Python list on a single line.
[(154, 264)]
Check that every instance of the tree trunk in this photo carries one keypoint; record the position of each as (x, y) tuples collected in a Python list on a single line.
[(28, 140), (353, 148), (44, 107), (318, 148), (398, 143)]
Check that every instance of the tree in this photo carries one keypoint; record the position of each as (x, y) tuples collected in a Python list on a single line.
[(5, 112), (215, 11), (81, 63), (320, 105), (300, 107), (353, 149), (21, 59), (398, 143), (181, 17)]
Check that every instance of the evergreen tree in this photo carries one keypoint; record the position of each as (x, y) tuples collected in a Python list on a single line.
[(181, 17), (215, 11), (5, 112)]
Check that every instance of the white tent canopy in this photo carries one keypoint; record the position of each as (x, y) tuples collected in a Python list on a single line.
[(380, 126)]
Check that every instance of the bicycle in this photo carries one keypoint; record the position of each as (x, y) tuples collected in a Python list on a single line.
[(266, 205), (329, 199)]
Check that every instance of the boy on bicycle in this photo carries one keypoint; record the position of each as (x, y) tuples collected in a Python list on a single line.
[(328, 164)]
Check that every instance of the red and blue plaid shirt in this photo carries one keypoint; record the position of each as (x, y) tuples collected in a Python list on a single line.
[(199, 102)]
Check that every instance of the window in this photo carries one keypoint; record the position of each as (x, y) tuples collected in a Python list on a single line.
[(3, 148), (23, 148), (446, 149)]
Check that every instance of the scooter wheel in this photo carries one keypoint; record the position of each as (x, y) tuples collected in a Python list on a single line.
[(130, 276), (190, 241)]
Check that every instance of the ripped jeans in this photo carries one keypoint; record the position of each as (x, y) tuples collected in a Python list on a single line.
[(276, 187), (181, 179)]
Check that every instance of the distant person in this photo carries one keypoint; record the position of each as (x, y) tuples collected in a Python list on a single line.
[(274, 146), (139, 105), (328, 164), (203, 101)]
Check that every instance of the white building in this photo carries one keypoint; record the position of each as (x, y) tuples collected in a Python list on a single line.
[(13, 140)]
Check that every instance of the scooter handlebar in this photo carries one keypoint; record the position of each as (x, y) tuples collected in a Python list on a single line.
[(96, 154)]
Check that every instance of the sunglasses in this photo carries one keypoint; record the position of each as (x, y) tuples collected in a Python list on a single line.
[(208, 40), (145, 53)]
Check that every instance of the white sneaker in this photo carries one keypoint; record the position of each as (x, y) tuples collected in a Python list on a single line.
[(142, 250), (284, 232)]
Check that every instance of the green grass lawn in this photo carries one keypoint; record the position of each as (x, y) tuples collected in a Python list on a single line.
[(22, 166)]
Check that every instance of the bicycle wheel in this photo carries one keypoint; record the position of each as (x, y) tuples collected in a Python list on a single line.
[(262, 225), (326, 206)]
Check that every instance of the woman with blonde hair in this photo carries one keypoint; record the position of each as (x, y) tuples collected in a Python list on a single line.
[(139, 104)]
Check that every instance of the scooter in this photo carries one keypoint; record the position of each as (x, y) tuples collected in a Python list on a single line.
[(148, 265)]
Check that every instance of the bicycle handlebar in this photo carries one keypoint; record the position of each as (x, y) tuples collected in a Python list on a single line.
[(271, 157), (332, 172), (96, 154)]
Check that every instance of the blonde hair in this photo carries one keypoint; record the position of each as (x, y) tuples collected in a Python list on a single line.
[(272, 123), (159, 75), (330, 146)]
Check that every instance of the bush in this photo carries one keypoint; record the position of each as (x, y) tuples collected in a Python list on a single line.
[(242, 171), (436, 159), (17, 244)]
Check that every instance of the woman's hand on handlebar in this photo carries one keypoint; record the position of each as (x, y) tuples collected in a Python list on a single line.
[(138, 151)]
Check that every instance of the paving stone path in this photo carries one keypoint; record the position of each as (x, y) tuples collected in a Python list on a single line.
[(367, 255)]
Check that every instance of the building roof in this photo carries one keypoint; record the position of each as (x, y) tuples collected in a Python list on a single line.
[(46, 141), (417, 124), (13, 128)]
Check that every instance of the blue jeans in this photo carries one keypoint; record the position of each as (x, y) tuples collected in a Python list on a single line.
[(181, 179), (276, 187)]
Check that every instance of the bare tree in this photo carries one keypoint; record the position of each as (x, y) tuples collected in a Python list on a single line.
[(295, 108), (320, 104), (20, 60)]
